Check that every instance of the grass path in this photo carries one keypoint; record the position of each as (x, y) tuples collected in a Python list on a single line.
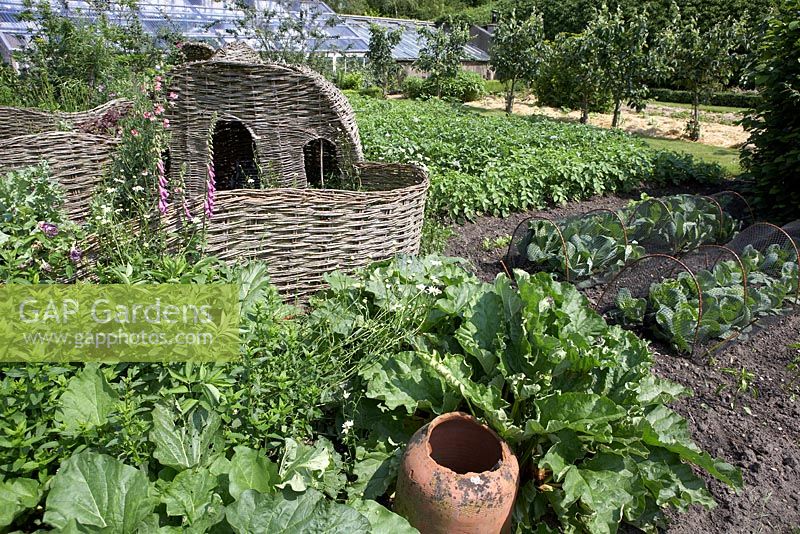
[(728, 158)]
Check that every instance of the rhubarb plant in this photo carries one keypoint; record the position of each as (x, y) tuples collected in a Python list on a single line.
[(575, 398)]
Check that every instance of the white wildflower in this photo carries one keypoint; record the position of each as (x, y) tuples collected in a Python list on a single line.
[(196, 220), (433, 290), (436, 263), (137, 188), (346, 426), (345, 394)]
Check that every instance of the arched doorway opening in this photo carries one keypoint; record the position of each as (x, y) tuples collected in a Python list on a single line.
[(321, 163), (235, 164)]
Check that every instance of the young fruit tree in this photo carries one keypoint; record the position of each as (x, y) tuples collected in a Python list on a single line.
[(701, 61), (517, 51), (577, 58), (381, 62), (772, 155), (625, 56), (443, 52)]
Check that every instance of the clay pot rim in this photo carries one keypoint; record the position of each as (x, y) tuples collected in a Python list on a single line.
[(506, 455)]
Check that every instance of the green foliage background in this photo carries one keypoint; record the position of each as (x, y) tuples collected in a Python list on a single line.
[(772, 156)]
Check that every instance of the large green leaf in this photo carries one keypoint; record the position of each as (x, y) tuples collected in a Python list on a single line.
[(191, 495), (304, 466), (672, 482), (375, 471), (478, 335), (87, 402), (563, 454), (288, 512), (664, 428), (400, 380), (381, 519), (16, 496), (99, 491), (251, 469), (185, 446), (605, 494), (582, 412)]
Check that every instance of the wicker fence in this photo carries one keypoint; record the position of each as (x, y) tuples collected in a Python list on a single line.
[(77, 162), (304, 233), (23, 121)]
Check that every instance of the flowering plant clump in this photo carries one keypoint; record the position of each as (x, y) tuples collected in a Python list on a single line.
[(138, 179), (37, 242)]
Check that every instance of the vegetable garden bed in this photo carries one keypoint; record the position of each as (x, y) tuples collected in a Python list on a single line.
[(758, 432)]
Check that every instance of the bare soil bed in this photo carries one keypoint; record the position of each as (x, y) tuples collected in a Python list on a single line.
[(758, 432), (657, 120)]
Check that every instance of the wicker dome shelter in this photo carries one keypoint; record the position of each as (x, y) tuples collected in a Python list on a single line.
[(257, 120), (291, 184)]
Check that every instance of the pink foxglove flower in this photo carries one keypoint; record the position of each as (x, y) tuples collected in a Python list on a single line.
[(211, 189), (163, 193)]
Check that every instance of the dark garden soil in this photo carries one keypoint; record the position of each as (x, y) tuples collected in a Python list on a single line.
[(758, 430)]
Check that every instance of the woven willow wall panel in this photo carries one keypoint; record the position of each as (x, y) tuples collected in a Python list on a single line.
[(77, 162), (22, 121), (267, 124), (303, 233)]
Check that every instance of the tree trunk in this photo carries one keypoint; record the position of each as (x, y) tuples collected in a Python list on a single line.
[(695, 130), (510, 97), (585, 111), (617, 113)]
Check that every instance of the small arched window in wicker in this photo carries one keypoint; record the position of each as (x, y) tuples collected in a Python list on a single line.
[(321, 163), (235, 158)]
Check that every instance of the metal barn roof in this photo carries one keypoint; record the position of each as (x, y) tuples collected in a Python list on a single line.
[(212, 21)]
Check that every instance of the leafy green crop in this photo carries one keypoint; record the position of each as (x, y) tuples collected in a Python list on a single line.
[(683, 222), (594, 245), (496, 165), (673, 308), (574, 397), (597, 243)]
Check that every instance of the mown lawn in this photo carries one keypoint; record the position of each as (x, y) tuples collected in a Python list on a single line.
[(728, 158), (703, 107)]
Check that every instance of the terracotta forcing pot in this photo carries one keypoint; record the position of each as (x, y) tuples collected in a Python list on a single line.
[(457, 476)]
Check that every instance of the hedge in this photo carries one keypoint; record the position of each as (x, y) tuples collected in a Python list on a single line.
[(737, 99)]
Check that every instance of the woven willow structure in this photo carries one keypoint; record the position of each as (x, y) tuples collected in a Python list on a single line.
[(276, 136), (23, 121), (233, 109), (303, 233), (77, 161)]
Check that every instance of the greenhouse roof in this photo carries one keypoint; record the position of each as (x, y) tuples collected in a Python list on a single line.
[(211, 21)]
